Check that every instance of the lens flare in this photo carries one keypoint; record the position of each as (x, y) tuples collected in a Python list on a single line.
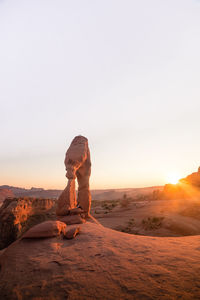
[(173, 178)]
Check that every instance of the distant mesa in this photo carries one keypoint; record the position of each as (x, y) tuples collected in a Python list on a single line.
[(37, 189), (33, 192)]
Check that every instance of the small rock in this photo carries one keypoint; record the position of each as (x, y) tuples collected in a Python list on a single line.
[(71, 233)]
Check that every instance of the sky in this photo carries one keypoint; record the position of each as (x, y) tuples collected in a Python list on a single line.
[(125, 74)]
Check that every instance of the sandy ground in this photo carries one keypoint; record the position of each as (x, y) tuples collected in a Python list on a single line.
[(152, 218)]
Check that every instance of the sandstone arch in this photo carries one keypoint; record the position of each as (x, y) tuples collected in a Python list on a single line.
[(78, 165)]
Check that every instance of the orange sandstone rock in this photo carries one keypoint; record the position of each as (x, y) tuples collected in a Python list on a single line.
[(67, 199), (70, 220), (17, 215), (78, 165), (71, 233), (45, 229)]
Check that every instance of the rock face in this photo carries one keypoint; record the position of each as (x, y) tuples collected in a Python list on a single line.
[(67, 199), (78, 165), (17, 215)]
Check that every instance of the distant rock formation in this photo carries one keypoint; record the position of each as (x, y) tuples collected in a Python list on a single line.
[(33, 192), (17, 215), (78, 165), (192, 179), (5, 193), (188, 187)]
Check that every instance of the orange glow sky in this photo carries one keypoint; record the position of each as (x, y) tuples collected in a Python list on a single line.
[(125, 74)]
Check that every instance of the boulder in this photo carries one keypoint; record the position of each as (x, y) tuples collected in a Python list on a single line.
[(45, 230), (71, 233)]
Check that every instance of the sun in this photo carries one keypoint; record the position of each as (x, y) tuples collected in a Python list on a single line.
[(173, 178)]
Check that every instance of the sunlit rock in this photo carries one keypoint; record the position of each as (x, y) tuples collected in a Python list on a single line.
[(78, 165)]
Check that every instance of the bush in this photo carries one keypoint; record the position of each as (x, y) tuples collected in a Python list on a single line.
[(129, 227), (152, 223)]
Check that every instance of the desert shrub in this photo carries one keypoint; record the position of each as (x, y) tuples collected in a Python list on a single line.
[(129, 227), (152, 223), (109, 205)]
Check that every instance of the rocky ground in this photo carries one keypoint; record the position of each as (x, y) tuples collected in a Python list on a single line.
[(101, 263)]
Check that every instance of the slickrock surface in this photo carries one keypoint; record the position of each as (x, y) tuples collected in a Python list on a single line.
[(101, 264), (19, 214)]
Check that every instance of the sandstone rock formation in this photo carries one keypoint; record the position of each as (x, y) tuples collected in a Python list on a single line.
[(17, 215), (192, 179), (32, 192), (5, 193), (45, 229), (78, 165), (186, 188), (67, 199)]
